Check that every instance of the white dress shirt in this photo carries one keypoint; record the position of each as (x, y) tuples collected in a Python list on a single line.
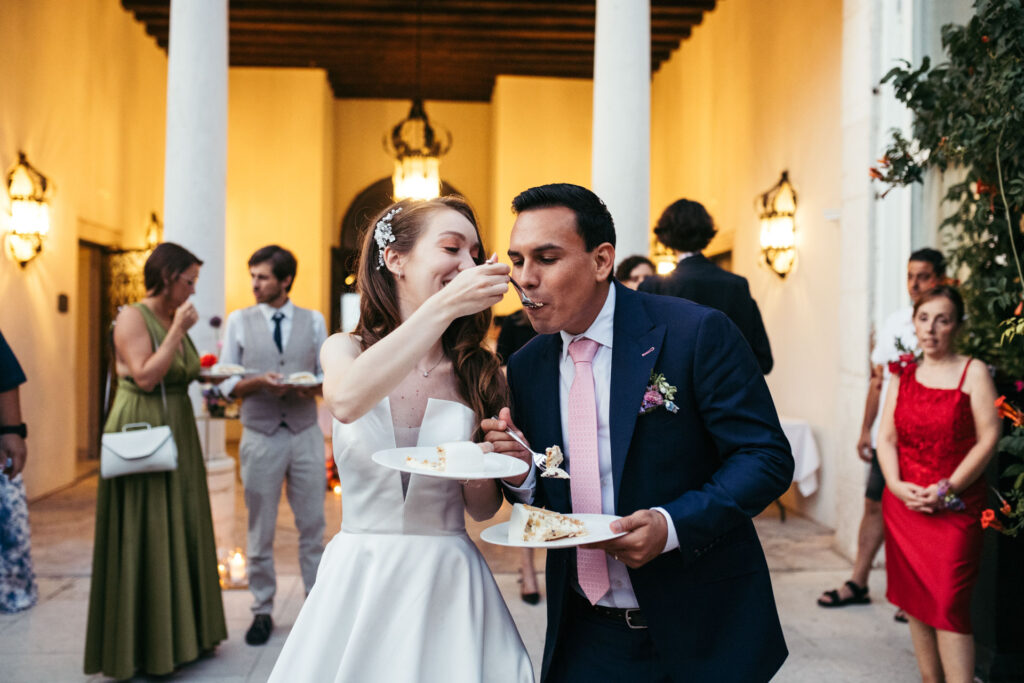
[(621, 593), (233, 351), (897, 330)]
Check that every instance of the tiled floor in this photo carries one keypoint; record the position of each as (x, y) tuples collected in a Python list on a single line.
[(45, 643)]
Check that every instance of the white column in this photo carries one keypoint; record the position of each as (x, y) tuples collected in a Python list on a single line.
[(195, 188), (621, 160), (195, 175)]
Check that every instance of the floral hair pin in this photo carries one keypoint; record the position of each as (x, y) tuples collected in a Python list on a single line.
[(658, 393), (383, 235)]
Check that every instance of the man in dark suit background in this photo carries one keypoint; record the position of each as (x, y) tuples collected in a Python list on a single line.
[(686, 227), (685, 595)]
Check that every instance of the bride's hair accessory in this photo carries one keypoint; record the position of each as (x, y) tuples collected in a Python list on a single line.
[(383, 235)]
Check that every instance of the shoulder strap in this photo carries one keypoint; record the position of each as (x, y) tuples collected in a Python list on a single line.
[(964, 374), (113, 368)]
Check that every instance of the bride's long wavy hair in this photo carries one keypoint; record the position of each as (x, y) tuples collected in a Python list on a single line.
[(480, 382)]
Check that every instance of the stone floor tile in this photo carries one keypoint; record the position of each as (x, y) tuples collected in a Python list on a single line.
[(849, 645)]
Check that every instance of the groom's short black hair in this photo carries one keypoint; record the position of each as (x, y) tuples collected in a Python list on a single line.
[(593, 221)]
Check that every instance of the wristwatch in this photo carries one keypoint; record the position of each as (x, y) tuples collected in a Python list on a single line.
[(21, 430)]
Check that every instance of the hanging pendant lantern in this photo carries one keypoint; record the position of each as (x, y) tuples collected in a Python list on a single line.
[(417, 147)]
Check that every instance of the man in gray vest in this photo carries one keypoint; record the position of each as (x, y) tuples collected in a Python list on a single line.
[(281, 440)]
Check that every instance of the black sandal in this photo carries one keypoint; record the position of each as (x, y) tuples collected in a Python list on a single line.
[(858, 596)]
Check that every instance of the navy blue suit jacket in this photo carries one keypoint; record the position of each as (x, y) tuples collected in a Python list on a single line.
[(713, 465)]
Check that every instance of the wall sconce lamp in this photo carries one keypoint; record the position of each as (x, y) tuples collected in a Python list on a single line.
[(29, 192), (154, 231), (776, 208)]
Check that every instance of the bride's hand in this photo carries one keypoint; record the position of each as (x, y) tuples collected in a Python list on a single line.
[(473, 290)]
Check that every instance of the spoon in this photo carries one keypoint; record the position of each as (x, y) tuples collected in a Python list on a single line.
[(527, 303)]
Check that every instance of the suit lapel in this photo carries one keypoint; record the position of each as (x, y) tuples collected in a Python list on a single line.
[(635, 350)]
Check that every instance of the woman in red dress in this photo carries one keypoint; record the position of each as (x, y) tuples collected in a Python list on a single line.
[(938, 431)]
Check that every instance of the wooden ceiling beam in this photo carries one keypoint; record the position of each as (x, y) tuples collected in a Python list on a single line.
[(373, 43), (368, 47), (456, 31), (501, 11)]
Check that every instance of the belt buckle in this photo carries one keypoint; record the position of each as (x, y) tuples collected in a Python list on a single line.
[(629, 619)]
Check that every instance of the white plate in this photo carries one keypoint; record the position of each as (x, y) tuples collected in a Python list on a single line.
[(598, 529), (487, 466), (300, 383), (207, 376)]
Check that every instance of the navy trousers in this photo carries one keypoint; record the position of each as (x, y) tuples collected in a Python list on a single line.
[(596, 648)]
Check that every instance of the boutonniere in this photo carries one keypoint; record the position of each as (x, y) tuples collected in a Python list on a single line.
[(907, 359), (659, 393)]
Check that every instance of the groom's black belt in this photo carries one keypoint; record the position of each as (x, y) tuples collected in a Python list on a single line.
[(633, 618)]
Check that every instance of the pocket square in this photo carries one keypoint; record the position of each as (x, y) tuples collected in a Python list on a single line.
[(658, 393)]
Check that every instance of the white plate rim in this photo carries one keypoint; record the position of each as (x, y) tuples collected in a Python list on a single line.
[(515, 465), (497, 534)]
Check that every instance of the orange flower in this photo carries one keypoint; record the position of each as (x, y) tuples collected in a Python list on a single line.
[(1019, 309), (984, 39), (1009, 411), (875, 173), (1006, 509), (989, 521)]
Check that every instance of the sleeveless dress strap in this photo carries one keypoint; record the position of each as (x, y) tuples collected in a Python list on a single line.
[(964, 374)]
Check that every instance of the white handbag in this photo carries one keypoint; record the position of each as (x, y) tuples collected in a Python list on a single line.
[(139, 447)]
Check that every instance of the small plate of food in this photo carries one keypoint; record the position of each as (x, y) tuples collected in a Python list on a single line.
[(453, 460), (302, 379), (219, 372), (534, 527)]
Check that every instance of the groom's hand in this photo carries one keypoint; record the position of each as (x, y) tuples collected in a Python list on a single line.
[(646, 534), (494, 433)]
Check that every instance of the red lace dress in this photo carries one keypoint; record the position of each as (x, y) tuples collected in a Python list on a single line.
[(932, 559)]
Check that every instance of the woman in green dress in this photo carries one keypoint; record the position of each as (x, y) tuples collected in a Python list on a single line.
[(155, 602)]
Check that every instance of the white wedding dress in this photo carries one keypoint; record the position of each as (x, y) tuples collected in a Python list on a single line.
[(402, 594)]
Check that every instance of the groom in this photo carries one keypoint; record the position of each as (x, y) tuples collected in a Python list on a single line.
[(685, 594)]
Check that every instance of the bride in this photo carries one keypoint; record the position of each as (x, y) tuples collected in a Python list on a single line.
[(402, 594)]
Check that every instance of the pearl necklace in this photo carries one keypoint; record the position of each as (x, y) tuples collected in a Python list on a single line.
[(426, 373)]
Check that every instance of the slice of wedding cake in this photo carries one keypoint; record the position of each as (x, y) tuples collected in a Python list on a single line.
[(529, 523), (458, 451), (302, 378), (552, 464)]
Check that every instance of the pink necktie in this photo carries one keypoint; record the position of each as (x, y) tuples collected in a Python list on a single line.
[(585, 481)]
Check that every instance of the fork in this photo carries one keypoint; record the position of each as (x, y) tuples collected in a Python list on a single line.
[(539, 459), (527, 303)]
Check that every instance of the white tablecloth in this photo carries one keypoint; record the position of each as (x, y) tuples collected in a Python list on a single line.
[(805, 454)]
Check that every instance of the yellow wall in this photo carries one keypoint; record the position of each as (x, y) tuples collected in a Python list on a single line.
[(542, 134), (279, 178), (733, 107), (84, 96)]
